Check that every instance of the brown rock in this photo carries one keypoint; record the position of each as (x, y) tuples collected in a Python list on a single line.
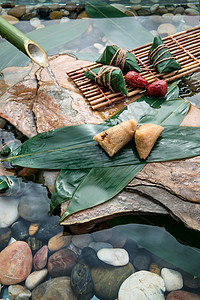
[(182, 295), (55, 15), (33, 228), (12, 20), (40, 258), (154, 268), (59, 241), (17, 11), (61, 263), (15, 262)]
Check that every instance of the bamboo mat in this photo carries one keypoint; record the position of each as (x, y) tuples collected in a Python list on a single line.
[(184, 46)]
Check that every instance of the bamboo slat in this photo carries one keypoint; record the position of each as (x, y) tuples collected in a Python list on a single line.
[(184, 46)]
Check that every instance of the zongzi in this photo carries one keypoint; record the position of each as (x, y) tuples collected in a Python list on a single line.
[(119, 57), (108, 76), (161, 58), (114, 138), (145, 138)]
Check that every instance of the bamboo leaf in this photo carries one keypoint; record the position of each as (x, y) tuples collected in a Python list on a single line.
[(100, 9), (100, 185)]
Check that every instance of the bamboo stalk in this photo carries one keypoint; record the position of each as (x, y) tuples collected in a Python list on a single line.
[(23, 43)]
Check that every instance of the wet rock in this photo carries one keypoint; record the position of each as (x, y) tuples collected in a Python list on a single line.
[(73, 15), (156, 19), (70, 6), (40, 258), (7, 5), (154, 268), (80, 8), (162, 10), (35, 278), (142, 285), (34, 243), (81, 241), (154, 8), (102, 236), (75, 249), (15, 262), (43, 11), (18, 292), (177, 18), (170, 7), (34, 205), (89, 255), (61, 263), (28, 16), (132, 248), (114, 257), (35, 22), (33, 228), (108, 279), (190, 280), (100, 245), (55, 15), (142, 260), (191, 12), (167, 17), (59, 241), (24, 295), (12, 20), (17, 11), (8, 213), (166, 28), (173, 279), (182, 295), (49, 228), (5, 235), (56, 289), (83, 15), (179, 10), (143, 12), (81, 229), (81, 281), (20, 231), (117, 240), (136, 7)]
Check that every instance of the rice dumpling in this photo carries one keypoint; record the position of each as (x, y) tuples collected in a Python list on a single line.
[(119, 57), (114, 138), (108, 76), (161, 58), (145, 137)]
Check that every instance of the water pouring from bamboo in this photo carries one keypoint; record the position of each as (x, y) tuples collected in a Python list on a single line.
[(23, 43)]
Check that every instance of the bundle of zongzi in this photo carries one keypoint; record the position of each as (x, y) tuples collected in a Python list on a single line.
[(145, 138), (161, 57), (119, 57), (108, 76), (114, 138)]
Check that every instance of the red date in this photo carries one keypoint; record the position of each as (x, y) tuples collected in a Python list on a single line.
[(157, 88), (134, 79)]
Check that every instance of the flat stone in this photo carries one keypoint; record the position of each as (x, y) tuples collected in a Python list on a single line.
[(56, 289), (117, 239), (61, 263), (20, 231), (191, 12), (114, 257), (14, 291), (154, 7), (12, 20), (102, 235), (166, 28), (156, 19), (15, 262), (81, 241), (35, 278), (48, 228), (59, 241), (136, 7), (17, 11), (40, 258), (142, 285), (55, 15), (182, 295), (179, 10), (5, 235), (173, 279), (24, 295)]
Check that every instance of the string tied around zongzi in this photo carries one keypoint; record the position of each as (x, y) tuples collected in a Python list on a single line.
[(120, 56), (101, 78), (158, 60)]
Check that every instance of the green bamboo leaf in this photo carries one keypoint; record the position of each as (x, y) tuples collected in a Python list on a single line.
[(4, 184), (47, 38), (158, 241), (100, 185), (65, 185), (100, 9)]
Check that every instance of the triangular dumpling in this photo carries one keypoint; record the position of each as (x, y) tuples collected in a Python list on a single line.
[(145, 138), (114, 138)]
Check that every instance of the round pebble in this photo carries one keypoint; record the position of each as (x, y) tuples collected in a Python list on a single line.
[(59, 241), (191, 12), (17, 11), (89, 256), (40, 258), (55, 15), (35, 278), (18, 292), (8, 213), (5, 235), (33, 228), (81, 241), (142, 259), (173, 279), (20, 230), (166, 28), (114, 257), (132, 248), (100, 245), (102, 236), (154, 8), (35, 22), (182, 295)]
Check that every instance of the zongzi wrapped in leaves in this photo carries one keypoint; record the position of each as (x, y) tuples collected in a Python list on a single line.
[(161, 57), (145, 137), (108, 76), (114, 138), (119, 57)]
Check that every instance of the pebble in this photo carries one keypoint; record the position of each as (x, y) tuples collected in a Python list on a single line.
[(59, 241), (117, 240), (173, 279), (162, 10), (43, 11), (35, 22), (108, 279), (142, 260), (20, 231), (12, 240), (56, 289), (70, 6), (103, 235), (5, 235), (83, 15), (55, 15), (61, 263), (49, 228), (191, 12), (156, 19), (40, 258), (8, 213), (182, 295), (179, 10), (17, 11), (100, 245), (35, 278), (177, 18), (190, 280), (142, 285), (135, 1), (132, 248), (114, 257), (15, 262), (7, 5), (81, 281), (154, 268), (24, 295), (136, 7), (18, 292), (154, 8), (89, 256), (34, 243), (33, 228), (166, 28), (81, 229), (75, 249), (192, 5), (81, 241), (167, 17)]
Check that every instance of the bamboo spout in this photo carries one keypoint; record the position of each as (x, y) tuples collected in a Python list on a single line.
[(23, 43)]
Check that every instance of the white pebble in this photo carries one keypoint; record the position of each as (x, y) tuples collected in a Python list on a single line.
[(173, 279), (35, 278), (8, 212), (114, 257), (35, 22), (98, 46)]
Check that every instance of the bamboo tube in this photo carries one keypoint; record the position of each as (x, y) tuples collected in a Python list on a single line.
[(23, 43)]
